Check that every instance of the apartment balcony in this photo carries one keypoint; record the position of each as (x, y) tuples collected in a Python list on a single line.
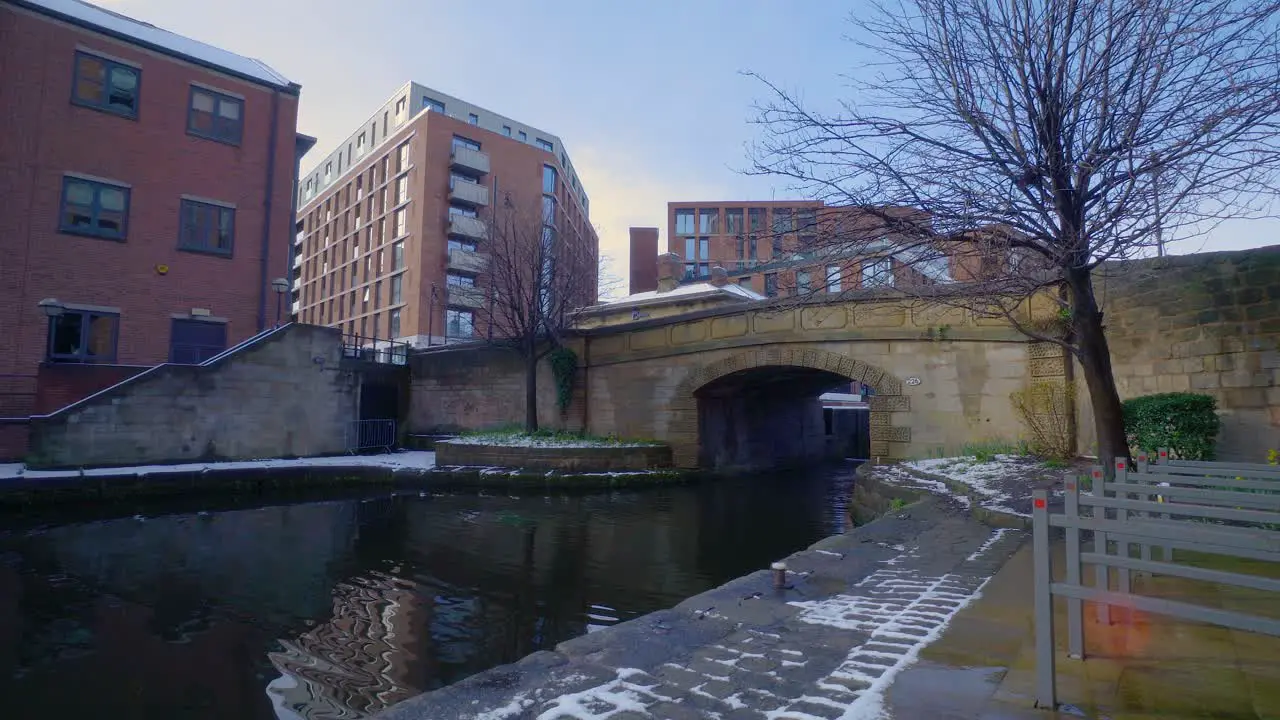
[(471, 297), (468, 161), (468, 227), (465, 193), (468, 261)]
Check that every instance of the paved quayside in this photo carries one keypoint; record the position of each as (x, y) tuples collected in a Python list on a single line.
[(859, 609)]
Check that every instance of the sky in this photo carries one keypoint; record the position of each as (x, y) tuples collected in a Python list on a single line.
[(649, 97)]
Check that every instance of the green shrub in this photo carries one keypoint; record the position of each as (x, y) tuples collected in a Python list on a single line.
[(1186, 423)]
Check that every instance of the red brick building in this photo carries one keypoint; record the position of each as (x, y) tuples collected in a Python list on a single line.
[(394, 236), (146, 201), (764, 246)]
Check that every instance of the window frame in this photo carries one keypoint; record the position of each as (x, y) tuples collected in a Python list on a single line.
[(80, 358), (207, 230), (105, 105), (218, 99), (471, 323), (682, 213), (95, 208), (544, 145)]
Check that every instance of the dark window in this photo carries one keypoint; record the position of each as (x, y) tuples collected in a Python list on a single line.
[(733, 221), (457, 280), (465, 212), (777, 246), (393, 324), (473, 118), (397, 256), (755, 218), (396, 284), (459, 141), (771, 284), (82, 336), (216, 116), (94, 208), (709, 221), (742, 243), (432, 105), (548, 179), (459, 323), (524, 136), (207, 228), (506, 130), (782, 220), (684, 222), (752, 243), (544, 145), (803, 283), (106, 85), (194, 341)]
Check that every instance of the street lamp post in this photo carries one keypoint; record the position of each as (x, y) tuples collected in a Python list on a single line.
[(431, 316), (281, 286)]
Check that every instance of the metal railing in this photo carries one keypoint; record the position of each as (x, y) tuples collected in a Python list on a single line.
[(375, 350), (1166, 464), (371, 435), (1150, 510)]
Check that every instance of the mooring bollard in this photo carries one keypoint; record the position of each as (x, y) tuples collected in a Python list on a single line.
[(779, 575)]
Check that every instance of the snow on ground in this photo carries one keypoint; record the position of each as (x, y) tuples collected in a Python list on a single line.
[(1002, 483), (520, 440), (409, 459)]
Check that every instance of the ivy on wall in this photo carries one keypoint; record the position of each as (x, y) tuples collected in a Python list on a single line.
[(564, 366)]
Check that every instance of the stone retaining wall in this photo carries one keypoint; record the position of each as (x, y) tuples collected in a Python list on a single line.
[(585, 459)]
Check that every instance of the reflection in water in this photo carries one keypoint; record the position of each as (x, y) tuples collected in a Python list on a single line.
[(338, 609)]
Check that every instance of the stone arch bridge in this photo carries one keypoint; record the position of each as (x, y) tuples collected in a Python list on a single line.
[(737, 387)]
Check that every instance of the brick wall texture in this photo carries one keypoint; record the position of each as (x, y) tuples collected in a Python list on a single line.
[(1207, 323), (283, 396), (46, 136)]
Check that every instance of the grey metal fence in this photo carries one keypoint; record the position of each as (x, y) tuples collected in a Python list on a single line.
[(1168, 465), (371, 435), (1167, 511)]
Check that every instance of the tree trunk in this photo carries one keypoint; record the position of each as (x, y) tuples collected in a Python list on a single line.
[(531, 390), (1095, 360)]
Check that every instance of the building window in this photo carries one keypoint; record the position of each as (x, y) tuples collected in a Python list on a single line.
[(777, 242), (191, 342), (709, 221), (401, 104), (752, 244), (402, 158), (393, 323), (473, 118), (397, 256), (206, 228), (433, 105), (704, 248), (833, 278), (461, 245), (455, 178), (400, 223), (755, 220), (544, 145), (524, 136), (216, 116), (506, 130), (690, 248), (877, 273), (733, 221), (806, 220), (397, 283), (106, 85), (745, 282), (548, 210), (459, 323), (803, 283), (771, 284), (360, 148), (782, 221), (81, 336), (458, 280), (465, 212), (94, 208), (402, 189), (459, 141), (548, 180), (328, 171), (742, 242), (684, 222)]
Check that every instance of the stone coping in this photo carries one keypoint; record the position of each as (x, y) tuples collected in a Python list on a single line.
[(565, 459)]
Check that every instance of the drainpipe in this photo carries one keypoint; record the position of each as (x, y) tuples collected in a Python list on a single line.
[(266, 211)]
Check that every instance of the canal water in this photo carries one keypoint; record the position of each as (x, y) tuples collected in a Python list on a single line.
[(340, 607)]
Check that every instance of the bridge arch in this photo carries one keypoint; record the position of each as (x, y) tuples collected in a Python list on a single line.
[(686, 426)]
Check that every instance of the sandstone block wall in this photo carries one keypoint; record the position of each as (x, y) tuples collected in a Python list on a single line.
[(1205, 323), (283, 396)]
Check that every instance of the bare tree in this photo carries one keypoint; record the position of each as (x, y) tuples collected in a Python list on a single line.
[(542, 268), (608, 283), (1036, 140)]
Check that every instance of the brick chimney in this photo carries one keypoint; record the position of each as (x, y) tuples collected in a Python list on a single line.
[(670, 269), (719, 276)]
